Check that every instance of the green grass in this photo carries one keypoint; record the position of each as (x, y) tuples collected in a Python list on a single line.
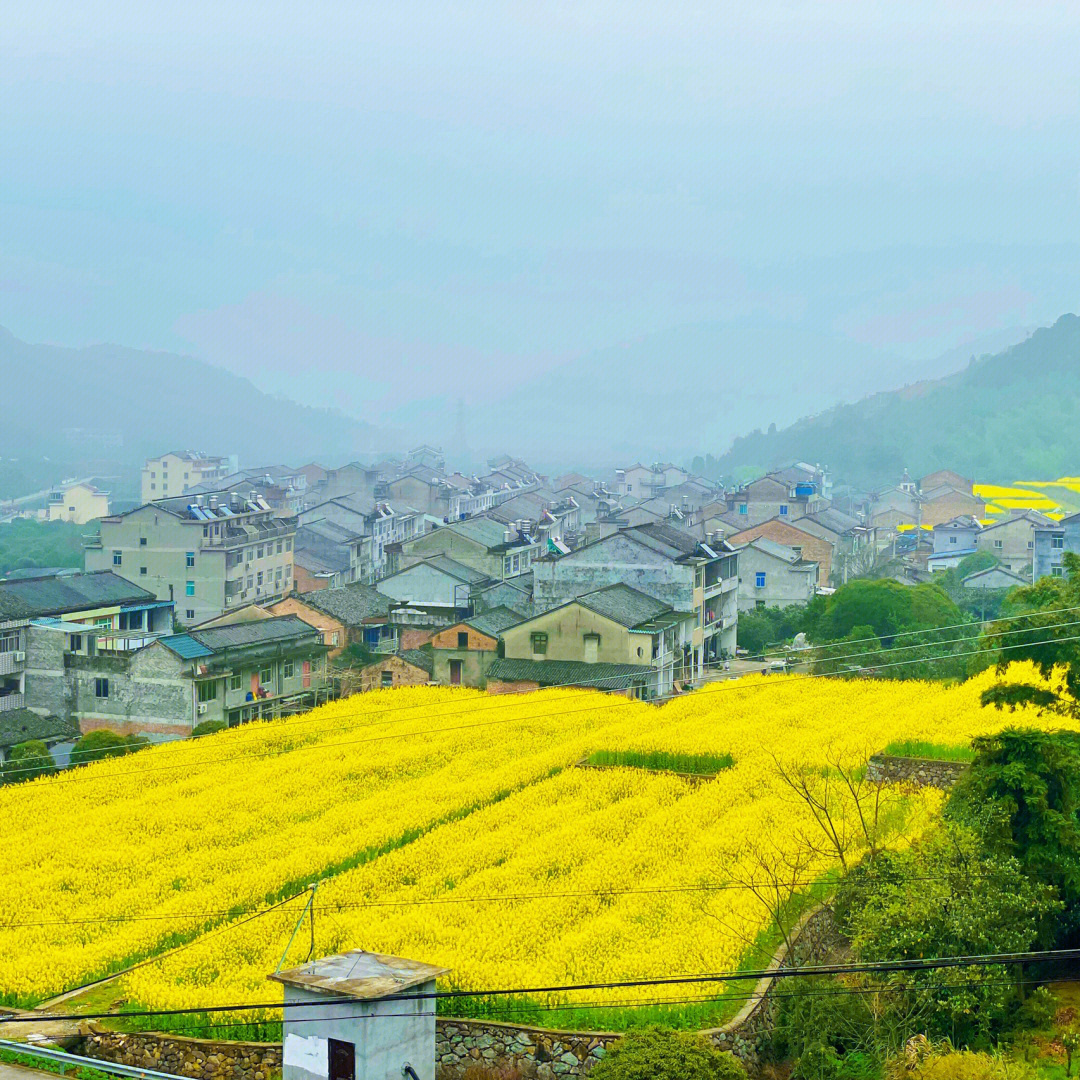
[(934, 751), (661, 761)]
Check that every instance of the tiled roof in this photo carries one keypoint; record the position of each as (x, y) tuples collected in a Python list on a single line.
[(453, 568), (349, 604), (665, 538), (199, 643), (495, 621), (22, 725), (29, 597), (418, 658), (832, 519), (623, 604), (569, 673), (484, 530)]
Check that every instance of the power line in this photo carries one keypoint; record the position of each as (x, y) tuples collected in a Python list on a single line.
[(618, 703), (874, 967)]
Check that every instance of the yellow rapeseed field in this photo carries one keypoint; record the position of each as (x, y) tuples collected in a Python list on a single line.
[(445, 825)]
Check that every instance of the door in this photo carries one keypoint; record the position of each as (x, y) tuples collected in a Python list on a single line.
[(342, 1060), (455, 672)]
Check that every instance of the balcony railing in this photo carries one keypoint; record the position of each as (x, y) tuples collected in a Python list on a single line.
[(11, 701), (8, 663)]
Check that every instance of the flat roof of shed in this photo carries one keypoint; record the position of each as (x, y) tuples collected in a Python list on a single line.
[(359, 974)]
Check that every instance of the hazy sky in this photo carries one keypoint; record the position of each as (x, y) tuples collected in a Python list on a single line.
[(449, 198)]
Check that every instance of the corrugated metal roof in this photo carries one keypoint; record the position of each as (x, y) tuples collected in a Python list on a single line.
[(185, 646)]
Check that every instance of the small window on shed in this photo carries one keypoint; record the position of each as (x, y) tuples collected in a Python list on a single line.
[(101, 688), (463, 639), (386, 679)]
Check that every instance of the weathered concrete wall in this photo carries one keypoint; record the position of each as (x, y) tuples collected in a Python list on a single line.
[(922, 772), (197, 1058)]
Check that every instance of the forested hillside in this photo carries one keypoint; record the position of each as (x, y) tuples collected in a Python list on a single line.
[(1011, 416)]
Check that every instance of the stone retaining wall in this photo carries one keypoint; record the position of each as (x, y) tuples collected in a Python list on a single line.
[(538, 1053), (922, 772), (200, 1059)]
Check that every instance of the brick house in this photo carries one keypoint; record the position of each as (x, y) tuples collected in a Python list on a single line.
[(813, 548), (464, 652), (410, 667)]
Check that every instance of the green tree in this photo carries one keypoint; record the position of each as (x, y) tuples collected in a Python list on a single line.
[(1038, 630), (1022, 792), (27, 761), (658, 1054), (103, 743)]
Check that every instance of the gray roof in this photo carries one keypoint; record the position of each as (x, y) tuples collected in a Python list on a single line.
[(22, 725), (495, 621), (359, 974), (623, 604), (418, 658), (569, 673), (483, 529), (832, 519), (237, 635), (349, 604), (32, 597), (453, 568), (665, 538)]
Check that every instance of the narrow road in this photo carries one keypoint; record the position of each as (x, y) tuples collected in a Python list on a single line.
[(20, 1072)]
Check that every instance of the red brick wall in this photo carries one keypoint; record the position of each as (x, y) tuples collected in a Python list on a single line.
[(409, 638), (497, 686), (814, 548), (448, 639), (404, 674), (304, 582)]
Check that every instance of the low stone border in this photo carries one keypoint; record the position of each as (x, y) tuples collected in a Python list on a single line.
[(692, 777), (922, 772), (539, 1053)]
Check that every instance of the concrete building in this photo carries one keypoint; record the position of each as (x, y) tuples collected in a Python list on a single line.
[(854, 545), (774, 575), (54, 621), (340, 1040), (178, 472), (79, 502), (282, 488), (205, 553), (786, 493), (322, 556), (994, 577), (440, 586), (492, 548), (1012, 540), (954, 540), (361, 612), (463, 653), (807, 545), (663, 562), (1051, 543), (614, 625)]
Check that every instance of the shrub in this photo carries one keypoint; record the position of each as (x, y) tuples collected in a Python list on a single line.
[(103, 743), (945, 1064), (658, 1054), (27, 761), (207, 727)]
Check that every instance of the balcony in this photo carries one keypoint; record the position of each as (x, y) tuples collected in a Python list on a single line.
[(9, 663), (10, 702)]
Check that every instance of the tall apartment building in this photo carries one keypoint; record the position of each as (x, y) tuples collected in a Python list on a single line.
[(178, 472), (207, 553)]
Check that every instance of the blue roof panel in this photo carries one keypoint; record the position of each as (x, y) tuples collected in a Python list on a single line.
[(184, 645)]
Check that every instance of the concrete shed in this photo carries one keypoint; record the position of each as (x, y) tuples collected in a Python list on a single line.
[(374, 1035)]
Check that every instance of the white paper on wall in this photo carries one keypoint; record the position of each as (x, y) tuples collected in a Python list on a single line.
[(310, 1054)]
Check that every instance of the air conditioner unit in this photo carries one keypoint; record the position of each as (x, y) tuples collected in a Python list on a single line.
[(20, 657), (202, 707)]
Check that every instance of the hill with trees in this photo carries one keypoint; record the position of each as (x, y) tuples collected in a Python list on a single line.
[(1004, 417)]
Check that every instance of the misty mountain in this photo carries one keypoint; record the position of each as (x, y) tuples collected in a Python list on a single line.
[(124, 404), (664, 395), (1010, 416)]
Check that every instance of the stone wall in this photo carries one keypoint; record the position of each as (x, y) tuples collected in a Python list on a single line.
[(538, 1053), (199, 1059), (922, 772)]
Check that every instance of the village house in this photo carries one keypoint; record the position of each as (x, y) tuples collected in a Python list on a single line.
[(666, 563), (177, 473), (787, 493), (994, 577), (18, 726), (322, 556), (641, 640), (491, 548), (76, 501), (205, 553), (464, 652), (953, 541), (409, 667), (351, 614), (282, 488), (774, 575), (853, 544), (806, 545), (1051, 543), (1012, 540), (439, 586)]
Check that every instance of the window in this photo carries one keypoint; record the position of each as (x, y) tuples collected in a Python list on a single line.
[(259, 578), (335, 637), (952, 539), (288, 573), (236, 681), (1057, 571), (250, 581), (142, 541), (539, 642), (998, 543), (131, 620), (783, 509), (259, 553), (277, 575), (759, 605), (249, 554), (386, 679), (153, 487), (117, 558), (189, 614), (506, 565), (463, 639), (279, 547), (1031, 544), (207, 691), (1056, 541), (101, 688), (759, 579), (287, 669), (142, 571), (266, 675), (288, 545), (185, 476), (743, 508), (189, 588), (190, 558), (76, 643), (515, 562)]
